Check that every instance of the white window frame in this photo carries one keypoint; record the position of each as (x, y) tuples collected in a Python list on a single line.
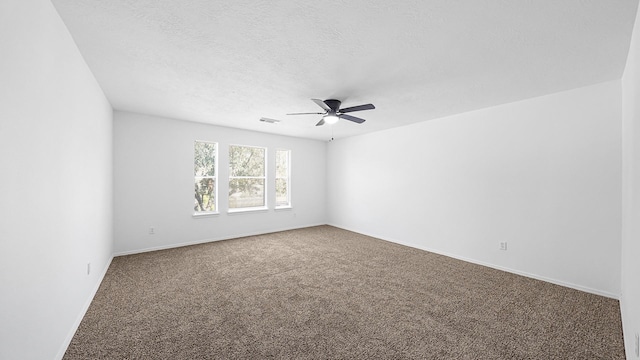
[(214, 177), (231, 210), (287, 178)]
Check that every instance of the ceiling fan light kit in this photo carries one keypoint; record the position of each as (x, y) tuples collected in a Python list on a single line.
[(333, 112), (330, 119)]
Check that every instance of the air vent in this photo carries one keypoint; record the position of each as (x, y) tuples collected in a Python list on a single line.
[(270, 121)]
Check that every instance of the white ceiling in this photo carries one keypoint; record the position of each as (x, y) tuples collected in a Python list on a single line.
[(232, 62)]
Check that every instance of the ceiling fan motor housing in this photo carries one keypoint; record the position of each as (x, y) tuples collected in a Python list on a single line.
[(333, 104)]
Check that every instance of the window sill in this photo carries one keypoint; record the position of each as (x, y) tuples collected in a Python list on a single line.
[(247, 210), (205, 215), (284, 207)]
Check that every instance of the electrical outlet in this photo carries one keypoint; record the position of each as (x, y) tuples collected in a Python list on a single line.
[(88, 268), (152, 230), (503, 245), (637, 345)]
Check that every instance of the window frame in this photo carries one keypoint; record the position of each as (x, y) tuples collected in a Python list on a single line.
[(214, 177), (288, 204), (264, 177)]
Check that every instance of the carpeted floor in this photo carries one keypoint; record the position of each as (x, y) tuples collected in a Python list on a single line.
[(326, 293)]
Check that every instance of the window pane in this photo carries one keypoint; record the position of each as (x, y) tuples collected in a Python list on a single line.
[(281, 192), (246, 193), (246, 161), (282, 177), (205, 159), (205, 194), (282, 163), (204, 166)]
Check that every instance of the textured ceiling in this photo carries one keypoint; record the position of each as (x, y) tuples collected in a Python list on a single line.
[(232, 62)]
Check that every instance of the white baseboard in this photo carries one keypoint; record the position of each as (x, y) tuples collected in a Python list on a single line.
[(497, 267), (85, 308), (204, 241)]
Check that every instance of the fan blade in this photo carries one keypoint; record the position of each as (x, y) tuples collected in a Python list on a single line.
[(357, 108), (321, 104), (352, 118), (306, 114), (320, 123)]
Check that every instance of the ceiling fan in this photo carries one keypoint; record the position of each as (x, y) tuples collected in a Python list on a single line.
[(332, 111)]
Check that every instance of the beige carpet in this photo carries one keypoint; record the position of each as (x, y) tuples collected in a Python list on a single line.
[(326, 293)]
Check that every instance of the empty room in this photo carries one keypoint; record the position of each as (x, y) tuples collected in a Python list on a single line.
[(319, 179)]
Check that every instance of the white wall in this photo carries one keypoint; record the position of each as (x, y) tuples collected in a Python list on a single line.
[(630, 299), (542, 175), (153, 183), (56, 182)]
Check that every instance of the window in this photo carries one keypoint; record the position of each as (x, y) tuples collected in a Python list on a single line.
[(247, 177), (283, 178), (205, 172)]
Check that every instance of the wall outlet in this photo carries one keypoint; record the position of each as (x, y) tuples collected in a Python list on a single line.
[(88, 268), (503, 245), (637, 345), (152, 231)]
